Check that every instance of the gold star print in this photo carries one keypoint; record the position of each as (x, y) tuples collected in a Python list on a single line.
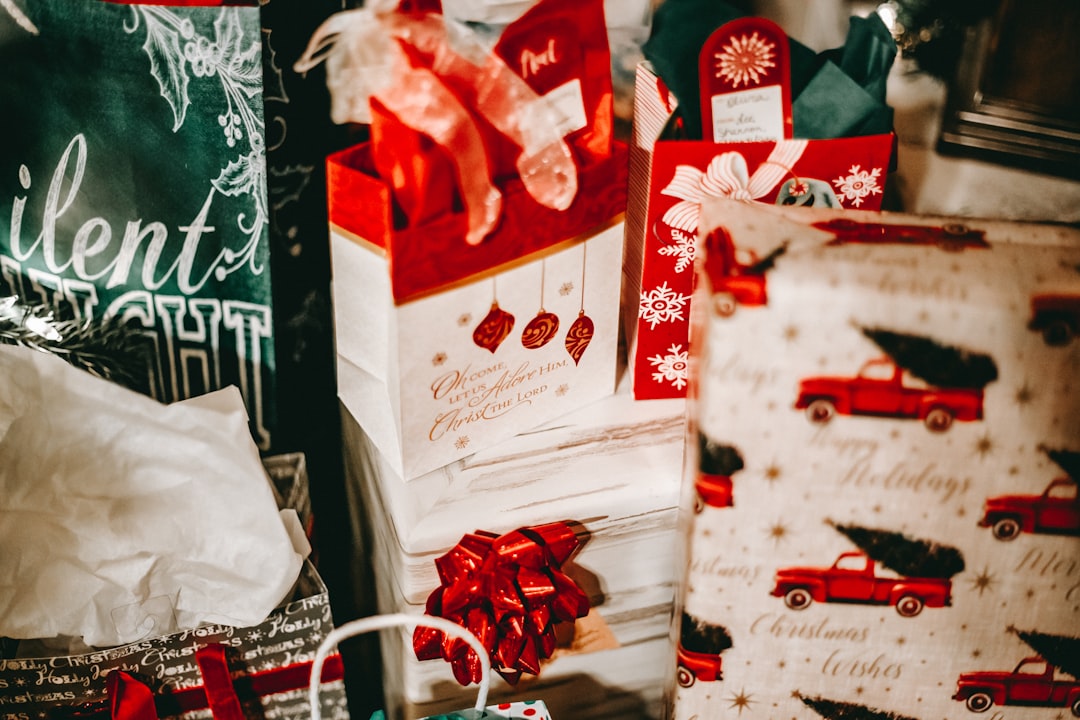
[(741, 700), (566, 289), (772, 473), (464, 319), (1024, 395), (562, 390), (791, 333), (462, 442), (439, 359), (984, 446), (778, 531), (983, 581)]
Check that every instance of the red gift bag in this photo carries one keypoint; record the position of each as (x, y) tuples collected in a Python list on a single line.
[(669, 179)]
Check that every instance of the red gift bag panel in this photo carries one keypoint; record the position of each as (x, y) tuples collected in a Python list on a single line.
[(838, 173), (434, 256)]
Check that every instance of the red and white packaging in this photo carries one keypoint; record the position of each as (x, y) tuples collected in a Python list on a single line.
[(461, 323), (752, 158)]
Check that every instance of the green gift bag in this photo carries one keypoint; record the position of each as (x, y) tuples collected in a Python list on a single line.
[(160, 168)]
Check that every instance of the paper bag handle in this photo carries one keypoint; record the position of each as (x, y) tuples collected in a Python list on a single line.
[(380, 622)]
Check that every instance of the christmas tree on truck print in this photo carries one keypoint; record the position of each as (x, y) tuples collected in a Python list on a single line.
[(698, 653), (1036, 681), (918, 379), (923, 574), (1055, 511)]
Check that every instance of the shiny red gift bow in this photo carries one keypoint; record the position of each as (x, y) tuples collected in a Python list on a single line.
[(510, 592), (131, 699)]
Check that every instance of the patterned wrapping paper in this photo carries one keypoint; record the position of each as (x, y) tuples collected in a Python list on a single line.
[(613, 468), (75, 685), (926, 481)]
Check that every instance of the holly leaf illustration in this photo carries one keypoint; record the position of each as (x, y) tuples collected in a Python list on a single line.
[(162, 46), (244, 176), (272, 80), (910, 557), (834, 710), (241, 60), (1061, 651)]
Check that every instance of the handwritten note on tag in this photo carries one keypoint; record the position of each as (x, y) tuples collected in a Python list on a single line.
[(744, 71)]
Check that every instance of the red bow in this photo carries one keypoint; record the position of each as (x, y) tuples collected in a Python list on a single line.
[(507, 590)]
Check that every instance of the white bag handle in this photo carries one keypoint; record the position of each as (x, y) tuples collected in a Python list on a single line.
[(379, 622)]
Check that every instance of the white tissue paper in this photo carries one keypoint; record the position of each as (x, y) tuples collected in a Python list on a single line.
[(123, 518)]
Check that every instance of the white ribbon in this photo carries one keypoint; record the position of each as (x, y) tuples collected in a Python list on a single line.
[(17, 15), (726, 176)]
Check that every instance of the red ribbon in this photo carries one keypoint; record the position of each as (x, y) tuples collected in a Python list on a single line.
[(510, 592), (129, 698)]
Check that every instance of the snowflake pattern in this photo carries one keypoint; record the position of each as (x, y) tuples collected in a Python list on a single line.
[(462, 442), (684, 250), (858, 184), (662, 304), (744, 60), (672, 368)]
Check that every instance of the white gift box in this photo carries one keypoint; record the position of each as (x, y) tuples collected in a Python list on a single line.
[(872, 545), (614, 467)]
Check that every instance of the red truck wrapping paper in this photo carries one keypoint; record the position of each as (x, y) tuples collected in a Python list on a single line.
[(670, 179), (880, 498)]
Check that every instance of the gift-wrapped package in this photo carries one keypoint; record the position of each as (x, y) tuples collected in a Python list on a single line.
[(597, 489), (881, 509), (477, 239), (152, 566), (740, 111)]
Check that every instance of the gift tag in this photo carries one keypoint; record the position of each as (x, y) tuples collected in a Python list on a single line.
[(745, 78)]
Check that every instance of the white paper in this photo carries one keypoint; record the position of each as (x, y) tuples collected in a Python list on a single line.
[(123, 518)]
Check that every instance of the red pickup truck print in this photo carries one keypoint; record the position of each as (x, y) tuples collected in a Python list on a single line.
[(737, 276), (1032, 683), (952, 237), (694, 666), (853, 578), (885, 390), (1055, 511)]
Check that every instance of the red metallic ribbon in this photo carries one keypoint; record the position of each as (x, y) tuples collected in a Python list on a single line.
[(510, 592), (129, 698)]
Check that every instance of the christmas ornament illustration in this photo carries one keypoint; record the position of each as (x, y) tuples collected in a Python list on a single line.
[(495, 327), (737, 277), (955, 377), (542, 328), (1055, 511), (808, 192), (923, 572), (699, 649), (581, 330), (1036, 681), (716, 464), (835, 710), (953, 237)]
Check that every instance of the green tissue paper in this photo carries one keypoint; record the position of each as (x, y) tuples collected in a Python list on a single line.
[(836, 93)]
